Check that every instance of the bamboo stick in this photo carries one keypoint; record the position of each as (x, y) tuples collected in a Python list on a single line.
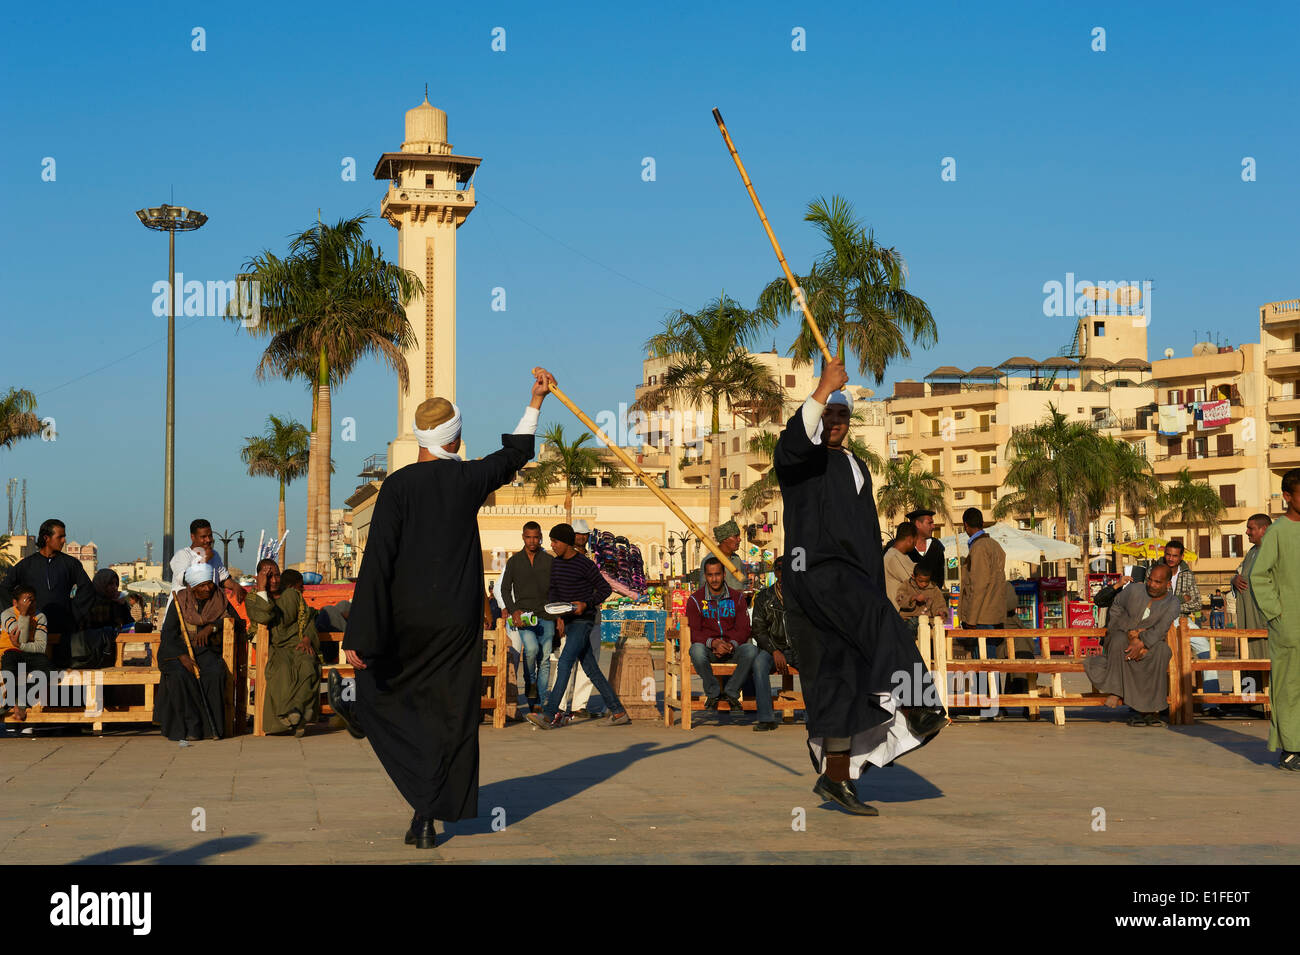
[(776, 246), (649, 482)]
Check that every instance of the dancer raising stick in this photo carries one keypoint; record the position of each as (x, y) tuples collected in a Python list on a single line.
[(415, 631), (854, 649)]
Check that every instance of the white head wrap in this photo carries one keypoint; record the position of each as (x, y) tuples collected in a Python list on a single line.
[(580, 527), (198, 574), (840, 398), (433, 439)]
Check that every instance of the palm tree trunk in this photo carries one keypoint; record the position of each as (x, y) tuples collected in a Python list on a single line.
[(325, 427), (1119, 500), (279, 526), (313, 456), (568, 504), (715, 472)]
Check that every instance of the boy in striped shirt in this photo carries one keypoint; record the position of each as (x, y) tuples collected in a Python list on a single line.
[(22, 643)]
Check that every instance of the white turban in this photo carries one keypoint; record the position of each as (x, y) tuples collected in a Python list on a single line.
[(198, 574), (580, 527), (434, 438), (840, 398)]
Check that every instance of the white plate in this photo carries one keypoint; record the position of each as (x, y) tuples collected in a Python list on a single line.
[(558, 609)]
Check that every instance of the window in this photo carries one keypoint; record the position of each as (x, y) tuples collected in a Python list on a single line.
[(735, 482), (1099, 329), (1176, 396), (900, 421), (1232, 545), (789, 381), (735, 445), (959, 495), (1228, 495), (934, 428), (653, 379), (959, 415), (1198, 394), (961, 458), (1110, 532), (936, 466), (428, 182)]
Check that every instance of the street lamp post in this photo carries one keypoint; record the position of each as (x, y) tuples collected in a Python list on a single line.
[(226, 537), (170, 219)]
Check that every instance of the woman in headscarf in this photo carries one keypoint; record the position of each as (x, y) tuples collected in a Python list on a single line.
[(190, 698), (108, 608)]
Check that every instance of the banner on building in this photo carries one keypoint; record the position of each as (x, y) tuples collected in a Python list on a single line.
[(1215, 414)]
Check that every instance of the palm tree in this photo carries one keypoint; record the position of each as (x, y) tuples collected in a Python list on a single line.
[(577, 464), (856, 290), (908, 486), (1133, 486), (1058, 466), (709, 363), (5, 560), (759, 493), (18, 418), (330, 302), (281, 452), (1191, 504)]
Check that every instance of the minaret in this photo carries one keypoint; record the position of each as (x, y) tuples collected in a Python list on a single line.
[(429, 195)]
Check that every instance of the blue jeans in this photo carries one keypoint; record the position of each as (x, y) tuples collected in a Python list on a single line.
[(743, 657), (577, 651), (763, 667), (537, 642)]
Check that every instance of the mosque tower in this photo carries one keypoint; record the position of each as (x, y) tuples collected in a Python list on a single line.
[(430, 193)]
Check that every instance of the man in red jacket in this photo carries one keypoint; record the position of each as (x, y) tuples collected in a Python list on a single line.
[(719, 623)]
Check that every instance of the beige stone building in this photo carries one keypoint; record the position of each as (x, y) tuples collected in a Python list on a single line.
[(1280, 345), (136, 570)]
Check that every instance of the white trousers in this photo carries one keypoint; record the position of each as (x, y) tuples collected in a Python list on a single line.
[(579, 691)]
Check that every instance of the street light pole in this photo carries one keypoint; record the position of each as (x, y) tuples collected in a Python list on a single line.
[(170, 219), (226, 537)]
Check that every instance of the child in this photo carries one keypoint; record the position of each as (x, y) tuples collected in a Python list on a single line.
[(917, 595), (22, 641)]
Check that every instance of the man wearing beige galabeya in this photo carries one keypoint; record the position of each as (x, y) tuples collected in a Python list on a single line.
[(983, 569)]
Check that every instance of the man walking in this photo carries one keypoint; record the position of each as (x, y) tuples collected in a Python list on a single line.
[(523, 591), (1249, 616)]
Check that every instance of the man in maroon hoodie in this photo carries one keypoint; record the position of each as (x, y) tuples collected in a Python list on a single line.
[(719, 623)]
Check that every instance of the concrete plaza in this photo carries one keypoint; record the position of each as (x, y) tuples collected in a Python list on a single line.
[(990, 792)]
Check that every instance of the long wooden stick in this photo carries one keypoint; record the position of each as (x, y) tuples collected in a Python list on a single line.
[(776, 246), (649, 482), (203, 702)]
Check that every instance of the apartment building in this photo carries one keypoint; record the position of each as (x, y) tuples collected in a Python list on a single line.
[(1280, 346)]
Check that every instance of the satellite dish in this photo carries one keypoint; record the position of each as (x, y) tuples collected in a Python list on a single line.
[(1093, 292), (1127, 294), (1169, 353), (1204, 348)]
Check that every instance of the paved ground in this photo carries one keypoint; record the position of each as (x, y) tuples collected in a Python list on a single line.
[(990, 792)]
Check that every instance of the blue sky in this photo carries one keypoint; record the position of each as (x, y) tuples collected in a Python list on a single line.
[(1115, 165)]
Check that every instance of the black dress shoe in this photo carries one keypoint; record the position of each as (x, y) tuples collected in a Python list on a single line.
[(734, 703), (342, 707), (765, 727), (421, 834), (711, 703), (843, 794), (925, 721)]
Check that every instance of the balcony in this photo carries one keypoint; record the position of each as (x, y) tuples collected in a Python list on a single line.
[(1281, 359), (1211, 460), (1283, 455), (1283, 407), (1280, 313), (970, 479)]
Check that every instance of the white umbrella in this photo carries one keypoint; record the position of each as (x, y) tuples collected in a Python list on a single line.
[(1022, 545), (148, 587)]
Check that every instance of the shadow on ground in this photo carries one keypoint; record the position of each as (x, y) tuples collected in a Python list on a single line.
[(1250, 748), (191, 856)]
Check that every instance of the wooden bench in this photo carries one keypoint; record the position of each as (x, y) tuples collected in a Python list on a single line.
[(678, 671), (120, 674), (1183, 667)]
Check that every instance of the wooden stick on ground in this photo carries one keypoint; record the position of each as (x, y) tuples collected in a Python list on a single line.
[(649, 482), (776, 246)]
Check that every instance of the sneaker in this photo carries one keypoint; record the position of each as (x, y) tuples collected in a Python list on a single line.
[(542, 723), (584, 714), (1289, 761), (619, 719)]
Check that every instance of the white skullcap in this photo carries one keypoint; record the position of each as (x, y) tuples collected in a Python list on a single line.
[(198, 574), (840, 398), (581, 527)]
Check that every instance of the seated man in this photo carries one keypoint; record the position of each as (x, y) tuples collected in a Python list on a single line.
[(22, 643), (917, 596), (192, 675), (719, 623), (1134, 667), (775, 651), (292, 669)]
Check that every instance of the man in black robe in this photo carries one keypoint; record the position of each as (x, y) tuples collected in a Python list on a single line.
[(415, 631), (868, 694)]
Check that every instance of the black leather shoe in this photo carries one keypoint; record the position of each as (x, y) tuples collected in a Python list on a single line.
[(342, 707), (925, 721), (711, 703), (765, 727), (734, 703), (421, 834), (844, 795)]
